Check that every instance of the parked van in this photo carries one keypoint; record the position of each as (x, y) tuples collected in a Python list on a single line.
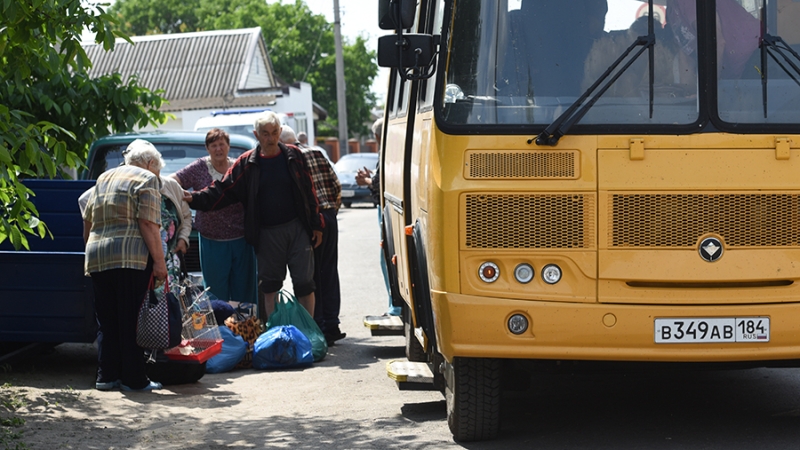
[(241, 122)]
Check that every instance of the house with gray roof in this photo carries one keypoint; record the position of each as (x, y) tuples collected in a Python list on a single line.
[(208, 72)]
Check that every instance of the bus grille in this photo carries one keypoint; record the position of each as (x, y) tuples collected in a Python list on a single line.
[(521, 165), (527, 221), (678, 220)]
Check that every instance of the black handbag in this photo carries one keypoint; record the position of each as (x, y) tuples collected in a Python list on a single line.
[(159, 325)]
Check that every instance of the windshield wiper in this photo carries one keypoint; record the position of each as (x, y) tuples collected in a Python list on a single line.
[(769, 46), (556, 130)]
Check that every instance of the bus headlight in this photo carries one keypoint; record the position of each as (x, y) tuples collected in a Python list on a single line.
[(489, 272), (551, 274), (518, 324), (524, 273)]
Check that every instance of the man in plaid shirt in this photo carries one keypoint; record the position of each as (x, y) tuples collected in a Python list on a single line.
[(326, 255)]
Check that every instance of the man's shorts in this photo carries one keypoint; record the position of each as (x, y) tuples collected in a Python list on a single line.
[(285, 245)]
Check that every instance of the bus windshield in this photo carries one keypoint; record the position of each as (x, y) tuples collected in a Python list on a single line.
[(758, 84), (515, 62)]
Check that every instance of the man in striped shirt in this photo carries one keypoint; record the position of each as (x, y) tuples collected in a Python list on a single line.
[(326, 256)]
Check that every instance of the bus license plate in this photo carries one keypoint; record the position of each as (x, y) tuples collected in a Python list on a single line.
[(711, 330), (348, 193)]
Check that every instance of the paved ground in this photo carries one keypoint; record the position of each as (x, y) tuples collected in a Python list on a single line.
[(347, 401)]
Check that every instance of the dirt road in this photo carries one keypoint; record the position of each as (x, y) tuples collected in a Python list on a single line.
[(345, 401)]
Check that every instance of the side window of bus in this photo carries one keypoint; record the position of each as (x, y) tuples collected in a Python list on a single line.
[(404, 94), (395, 93), (433, 26), (404, 98)]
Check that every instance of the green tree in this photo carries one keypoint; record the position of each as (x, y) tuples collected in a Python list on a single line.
[(142, 18), (50, 110), (296, 38)]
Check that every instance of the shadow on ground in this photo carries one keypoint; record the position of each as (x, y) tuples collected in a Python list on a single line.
[(648, 408)]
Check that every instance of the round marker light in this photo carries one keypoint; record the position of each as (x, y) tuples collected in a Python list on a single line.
[(518, 324), (551, 274), (489, 272), (523, 273)]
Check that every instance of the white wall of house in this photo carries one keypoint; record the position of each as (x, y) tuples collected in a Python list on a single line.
[(191, 117), (299, 103), (176, 124)]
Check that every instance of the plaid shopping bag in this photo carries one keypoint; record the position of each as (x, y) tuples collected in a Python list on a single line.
[(159, 323)]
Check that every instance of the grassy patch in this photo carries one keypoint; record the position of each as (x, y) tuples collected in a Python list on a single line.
[(11, 399), (10, 436)]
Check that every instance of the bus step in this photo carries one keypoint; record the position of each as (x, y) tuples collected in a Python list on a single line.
[(410, 376), (384, 325)]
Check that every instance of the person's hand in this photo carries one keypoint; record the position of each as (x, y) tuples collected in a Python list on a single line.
[(182, 247), (187, 196), (363, 177), (316, 238), (160, 272)]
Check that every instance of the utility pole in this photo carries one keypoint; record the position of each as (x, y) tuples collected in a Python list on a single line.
[(340, 86)]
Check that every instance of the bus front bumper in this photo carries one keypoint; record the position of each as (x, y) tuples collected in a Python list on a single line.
[(472, 326)]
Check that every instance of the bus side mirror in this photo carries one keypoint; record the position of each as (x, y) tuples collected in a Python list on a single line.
[(408, 51), (387, 11)]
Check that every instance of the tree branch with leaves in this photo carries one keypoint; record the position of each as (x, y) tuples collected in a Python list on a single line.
[(50, 109)]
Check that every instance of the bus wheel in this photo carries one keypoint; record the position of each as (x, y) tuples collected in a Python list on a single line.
[(472, 393), (414, 350)]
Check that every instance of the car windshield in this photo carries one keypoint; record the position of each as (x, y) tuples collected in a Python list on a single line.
[(351, 163), (176, 156)]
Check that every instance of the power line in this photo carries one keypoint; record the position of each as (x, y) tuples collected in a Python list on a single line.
[(314, 55), (292, 28)]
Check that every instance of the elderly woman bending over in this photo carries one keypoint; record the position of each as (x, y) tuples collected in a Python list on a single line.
[(122, 223)]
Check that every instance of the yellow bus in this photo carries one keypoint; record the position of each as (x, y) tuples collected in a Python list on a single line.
[(597, 180)]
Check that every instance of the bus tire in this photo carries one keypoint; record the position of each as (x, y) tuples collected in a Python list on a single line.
[(414, 350), (472, 394)]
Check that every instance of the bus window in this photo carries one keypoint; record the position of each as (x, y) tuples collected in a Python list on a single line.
[(396, 93), (526, 61), (404, 97), (741, 78), (428, 87)]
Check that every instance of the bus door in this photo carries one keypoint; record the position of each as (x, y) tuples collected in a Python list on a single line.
[(394, 177), (409, 143)]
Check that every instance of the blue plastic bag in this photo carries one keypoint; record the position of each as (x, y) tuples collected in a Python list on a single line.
[(282, 347), (288, 311), (233, 350)]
